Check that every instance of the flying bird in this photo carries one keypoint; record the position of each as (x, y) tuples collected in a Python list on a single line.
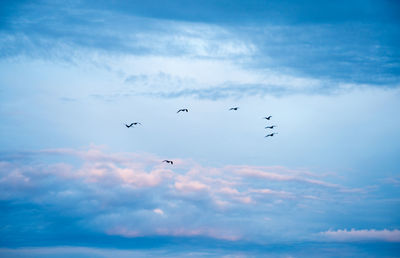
[(169, 161), (128, 126), (183, 110), (270, 127), (267, 117), (272, 134), (234, 108), (136, 123)]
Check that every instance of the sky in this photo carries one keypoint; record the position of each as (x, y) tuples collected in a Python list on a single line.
[(74, 181)]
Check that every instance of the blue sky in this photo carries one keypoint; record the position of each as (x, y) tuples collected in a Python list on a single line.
[(75, 180)]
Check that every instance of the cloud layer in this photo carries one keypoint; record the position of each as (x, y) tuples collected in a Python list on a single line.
[(182, 57), (136, 195)]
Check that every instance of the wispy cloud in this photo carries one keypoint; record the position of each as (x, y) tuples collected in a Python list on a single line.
[(181, 56), (394, 180), (362, 235), (258, 173)]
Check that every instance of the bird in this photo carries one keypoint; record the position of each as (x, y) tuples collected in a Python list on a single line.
[(270, 127), (128, 126), (169, 161), (267, 117), (136, 123), (183, 110), (234, 108), (272, 134)]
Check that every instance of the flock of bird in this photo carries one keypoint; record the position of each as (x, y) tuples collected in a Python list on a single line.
[(186, 110)]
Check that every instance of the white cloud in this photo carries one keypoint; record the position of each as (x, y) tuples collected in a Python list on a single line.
[(175, 56), (190, 186), (362, 235), (158, 211), (249, 171)]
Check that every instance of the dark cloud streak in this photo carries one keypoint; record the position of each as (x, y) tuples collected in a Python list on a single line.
[(356, 44)]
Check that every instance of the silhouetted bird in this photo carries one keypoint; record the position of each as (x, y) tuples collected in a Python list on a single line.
[(136, 123), (267, 117), (128, 126), (183, 110), (234, 108), (270, 127), (169, 161), (272, 134)]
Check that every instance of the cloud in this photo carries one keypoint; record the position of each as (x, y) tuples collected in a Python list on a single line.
[(247, 171), (394, 180), (177, 58), (208, 232), (362, 235), (234, 90), (158, 211), (189, 186), (135, 195), (282, 194), (35, 35)]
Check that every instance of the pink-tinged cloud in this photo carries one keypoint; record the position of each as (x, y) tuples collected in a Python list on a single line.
[(266, 191), (129, 194), (254, 172), (244, 199), (158, 211), (96, 154), (229, 191), (354, 235), (111, 173), (190, 186), (232, 194), (248, 171)]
